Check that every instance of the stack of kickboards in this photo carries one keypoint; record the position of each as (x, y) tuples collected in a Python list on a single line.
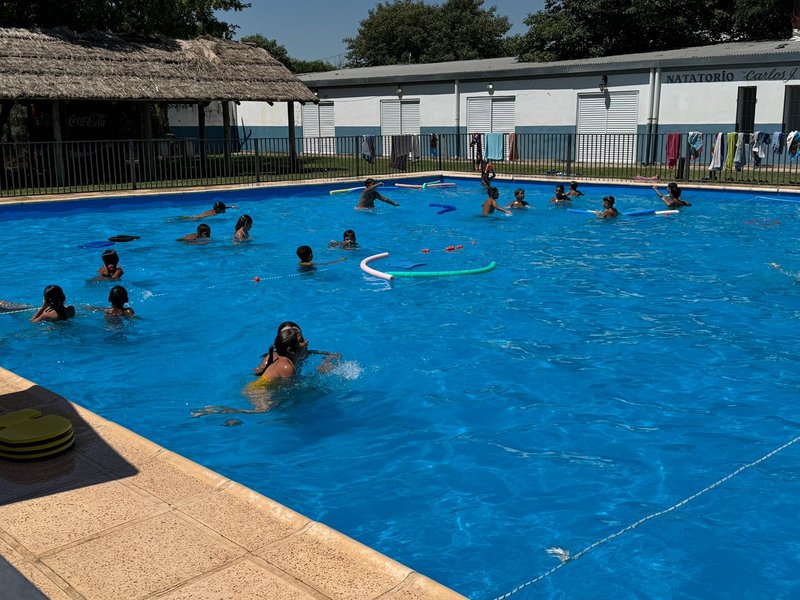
[(27, 434)]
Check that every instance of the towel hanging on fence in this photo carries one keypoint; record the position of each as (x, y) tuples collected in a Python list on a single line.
[(717, 150), (761, 141), (368, 148), (513, 151), (695, 141), (792, 144), (494, 146), (731, 144), (476, 146), (402, 146), (778, 143), (740, 158), (673, 148)]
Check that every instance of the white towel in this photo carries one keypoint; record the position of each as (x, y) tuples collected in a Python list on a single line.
[(716, 154)]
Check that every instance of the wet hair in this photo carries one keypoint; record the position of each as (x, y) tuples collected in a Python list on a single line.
[(573, 185), (609, 199), (675, 191), (244, 220), (305, 253), (282, 328), (369, 182), (287, 343), (203, 231), (110, 257), (54, 298), (518, 191), (118, 296), (671, 185), (559, 187), (219, 207), (349, 234)]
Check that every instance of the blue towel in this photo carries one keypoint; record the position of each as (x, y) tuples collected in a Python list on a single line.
[(494, 146)]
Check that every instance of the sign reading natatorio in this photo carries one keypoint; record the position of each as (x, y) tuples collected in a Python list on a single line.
[(772, 74)]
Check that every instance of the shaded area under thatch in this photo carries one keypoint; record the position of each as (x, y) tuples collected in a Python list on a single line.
[(61, 65)]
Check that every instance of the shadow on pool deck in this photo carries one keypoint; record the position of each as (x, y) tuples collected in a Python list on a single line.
[(120, 517)]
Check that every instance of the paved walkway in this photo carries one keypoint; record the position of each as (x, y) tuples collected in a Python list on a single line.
[(121, 518)]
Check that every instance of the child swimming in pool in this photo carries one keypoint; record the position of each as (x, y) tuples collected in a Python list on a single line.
[(573, 190), (242, 228), (673, 197), (110, 268), (203, 234), (217, 209), (348, 241), (306, 256), (325, 366), (53, 307), (560, 197), (280, 368), (118, 297), (519, 199), (608, 212), (490, 204), (370, 194)]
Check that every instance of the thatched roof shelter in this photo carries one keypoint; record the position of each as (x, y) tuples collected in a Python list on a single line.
[(61, 65)]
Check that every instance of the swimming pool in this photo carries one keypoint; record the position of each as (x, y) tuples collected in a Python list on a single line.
[(602, 372)]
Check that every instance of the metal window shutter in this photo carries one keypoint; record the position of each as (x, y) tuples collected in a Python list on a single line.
[(623, 112), (327, 128), (310, 120), (607, 127), (479, 115), (390, 117), (503, 115), (409, 117)]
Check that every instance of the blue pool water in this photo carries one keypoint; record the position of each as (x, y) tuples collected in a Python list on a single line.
[(602, 372)]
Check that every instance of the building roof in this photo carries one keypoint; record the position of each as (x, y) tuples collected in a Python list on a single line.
[(717, 55), (60, 64)]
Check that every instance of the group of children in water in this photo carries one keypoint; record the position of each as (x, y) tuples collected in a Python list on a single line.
[(672, 198)]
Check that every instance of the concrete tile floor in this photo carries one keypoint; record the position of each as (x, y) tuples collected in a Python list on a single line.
[(118, 517)]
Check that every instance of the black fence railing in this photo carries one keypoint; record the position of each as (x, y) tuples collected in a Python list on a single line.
[(68, 167)]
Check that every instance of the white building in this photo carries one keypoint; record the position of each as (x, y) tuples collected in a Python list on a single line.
[(743, 86)]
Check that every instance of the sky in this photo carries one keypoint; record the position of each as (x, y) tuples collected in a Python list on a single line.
[(314, 29)]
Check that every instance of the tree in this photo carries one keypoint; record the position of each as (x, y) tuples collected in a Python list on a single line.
[(574, 29), (410, 31), (172, 18), (279, 52)]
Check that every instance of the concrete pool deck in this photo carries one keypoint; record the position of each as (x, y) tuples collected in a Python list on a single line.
[(119, 517)]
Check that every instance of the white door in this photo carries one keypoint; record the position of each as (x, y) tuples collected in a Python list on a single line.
[(607, 127), (319, 129)]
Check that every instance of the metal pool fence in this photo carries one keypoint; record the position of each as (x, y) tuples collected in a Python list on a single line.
[(86, 166)]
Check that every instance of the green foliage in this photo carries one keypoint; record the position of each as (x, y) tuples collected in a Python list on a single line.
[(279, 52), (173, 18), (574, 29), (410, 31)]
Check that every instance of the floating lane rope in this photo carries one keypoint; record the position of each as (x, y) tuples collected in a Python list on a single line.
[(564, 556)]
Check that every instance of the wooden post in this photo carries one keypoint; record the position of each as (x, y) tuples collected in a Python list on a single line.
[(58, 151), (292, 135), (201, 135), (147, 123), (226, 130)]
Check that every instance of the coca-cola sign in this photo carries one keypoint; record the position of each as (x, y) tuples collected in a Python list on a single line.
[(92, 120)]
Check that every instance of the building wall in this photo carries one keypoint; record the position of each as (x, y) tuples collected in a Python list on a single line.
[(701, 100)]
